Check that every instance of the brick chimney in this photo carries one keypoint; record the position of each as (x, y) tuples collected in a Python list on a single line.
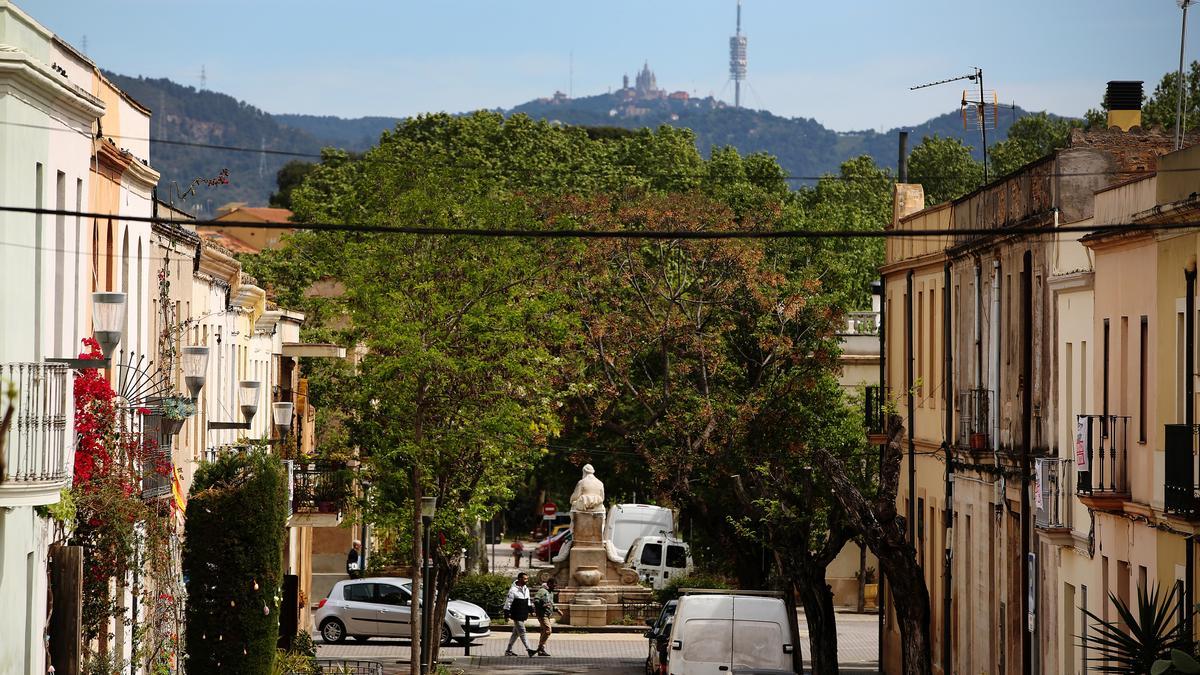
[(1124, 101)]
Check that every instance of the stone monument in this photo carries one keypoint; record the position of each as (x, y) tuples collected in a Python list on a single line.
[(593, 584)]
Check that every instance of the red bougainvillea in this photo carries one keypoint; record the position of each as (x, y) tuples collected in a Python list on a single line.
[(95, 419)]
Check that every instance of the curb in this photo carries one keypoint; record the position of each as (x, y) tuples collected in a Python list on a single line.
[(506, 627)]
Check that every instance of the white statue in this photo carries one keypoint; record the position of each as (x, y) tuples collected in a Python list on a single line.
[(588, 496)]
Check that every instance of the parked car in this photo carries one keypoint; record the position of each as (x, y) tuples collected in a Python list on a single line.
[(381, 607), (659, 636), (715, 633), (626, 522), (657, 559), (550, 547)]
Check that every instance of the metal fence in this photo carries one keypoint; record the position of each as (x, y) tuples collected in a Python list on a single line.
[(36, 447), (343, 667), (1053, 481)]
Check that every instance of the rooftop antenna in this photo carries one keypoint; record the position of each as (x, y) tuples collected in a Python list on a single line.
[(203, 79), (976, 110), (737, 59)]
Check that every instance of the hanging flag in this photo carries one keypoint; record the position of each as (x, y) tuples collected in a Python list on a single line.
[(1081, 457), (1038, 481), (177, 490)]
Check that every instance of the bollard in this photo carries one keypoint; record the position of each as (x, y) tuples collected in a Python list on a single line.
[(467, 630)]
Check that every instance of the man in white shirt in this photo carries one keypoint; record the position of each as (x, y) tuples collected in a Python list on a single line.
[(516, 607)]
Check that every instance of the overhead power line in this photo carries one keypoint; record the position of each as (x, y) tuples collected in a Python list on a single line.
[(836, 232)]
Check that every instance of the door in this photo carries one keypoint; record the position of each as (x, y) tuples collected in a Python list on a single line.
[(361, 610), (677, 562), (394, 611), (650, 563)]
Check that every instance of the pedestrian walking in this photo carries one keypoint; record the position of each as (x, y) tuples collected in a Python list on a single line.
[(354, 560), (516, 607), (517, 548), (544, 608)]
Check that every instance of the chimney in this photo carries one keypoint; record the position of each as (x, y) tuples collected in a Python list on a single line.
[(1124, 101)]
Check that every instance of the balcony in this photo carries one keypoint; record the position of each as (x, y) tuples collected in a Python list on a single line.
[(319, 492), (1101, 445), (37, 454), (874, 418), (1180, 494), (974, 406), (861, 323), (1053, 493)]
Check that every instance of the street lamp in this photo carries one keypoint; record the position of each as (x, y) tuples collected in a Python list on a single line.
[(195, 365), (108, 325), (428, 509), (248, 391)]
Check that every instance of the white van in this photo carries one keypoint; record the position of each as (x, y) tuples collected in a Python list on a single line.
[(720, 633), (659, 559), (626, 522)]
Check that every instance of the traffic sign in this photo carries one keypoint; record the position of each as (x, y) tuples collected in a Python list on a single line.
[(549, 510)]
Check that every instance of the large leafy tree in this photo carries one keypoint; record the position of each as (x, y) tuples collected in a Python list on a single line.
[(945, 168), (1030, 138)]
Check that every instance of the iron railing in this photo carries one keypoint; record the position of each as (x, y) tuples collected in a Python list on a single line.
[(1053, 480), (873, 417), (1101, 451), (320, 487), (35, 446), (1179, 476), (973, 417), (341, 667)]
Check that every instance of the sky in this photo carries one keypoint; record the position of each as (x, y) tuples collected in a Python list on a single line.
[(849, 65)]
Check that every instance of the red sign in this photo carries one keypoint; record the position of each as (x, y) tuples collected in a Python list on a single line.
[(549, 509)]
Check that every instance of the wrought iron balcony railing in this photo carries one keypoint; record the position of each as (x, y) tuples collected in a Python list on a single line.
[(973, 410), (1053, 481), (873, 415), (320, 487), (36, 447), (1101, 451)]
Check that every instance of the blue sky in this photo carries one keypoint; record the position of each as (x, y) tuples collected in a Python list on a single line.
[(847, 64)]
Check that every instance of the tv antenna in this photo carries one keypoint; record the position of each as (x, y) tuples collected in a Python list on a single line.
[(974, 111), (737, 59), (203, 78)]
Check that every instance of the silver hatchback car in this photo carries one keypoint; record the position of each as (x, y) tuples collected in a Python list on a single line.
[(380, 607)]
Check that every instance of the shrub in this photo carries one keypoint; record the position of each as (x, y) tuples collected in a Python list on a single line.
[(698, 580), (233, 563), (486, 590)]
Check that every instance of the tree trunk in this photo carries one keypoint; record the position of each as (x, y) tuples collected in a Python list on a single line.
[(885, 534), (418, 560), (817, 598)]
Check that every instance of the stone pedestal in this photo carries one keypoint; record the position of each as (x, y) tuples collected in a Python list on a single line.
[(593, 587)]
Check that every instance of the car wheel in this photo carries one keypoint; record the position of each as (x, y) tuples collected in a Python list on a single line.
[(333, 632), (447, 636)]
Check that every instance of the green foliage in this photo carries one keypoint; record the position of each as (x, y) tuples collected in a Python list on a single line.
[(1180, 662), (694, 580), (944, 168), (1030, 138), (486, 590), (1159, 108), (286, 179), (62, 511), (1142, 635), (234, 573)]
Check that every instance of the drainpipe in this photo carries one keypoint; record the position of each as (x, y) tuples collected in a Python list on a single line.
[(978, 327), (994, 378), (1189, 417), (1026, 448), (912, 448), (948, 536), (881, 595)]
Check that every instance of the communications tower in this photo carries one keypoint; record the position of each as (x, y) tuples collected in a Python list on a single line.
[(737, 59)]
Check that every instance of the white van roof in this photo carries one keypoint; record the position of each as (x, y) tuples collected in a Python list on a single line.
[(626, 522)]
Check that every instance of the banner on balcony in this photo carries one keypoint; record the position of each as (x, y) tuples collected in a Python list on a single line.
[(1081, 457), (1039, 479), (177, 490)]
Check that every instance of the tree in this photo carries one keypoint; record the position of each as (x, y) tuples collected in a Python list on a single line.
[(1031, 138), (234, 573), (286, 179), (945, 168), (877, 522), (1159, 108)]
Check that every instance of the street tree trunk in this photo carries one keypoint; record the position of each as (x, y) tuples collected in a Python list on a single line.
[(817, 598), (884, 532)]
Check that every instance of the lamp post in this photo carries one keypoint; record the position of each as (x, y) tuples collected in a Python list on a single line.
[(248, 392), (195, 364), (428, 509), (282, 413)]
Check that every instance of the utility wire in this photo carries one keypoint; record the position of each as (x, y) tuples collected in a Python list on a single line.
[(575, 233)]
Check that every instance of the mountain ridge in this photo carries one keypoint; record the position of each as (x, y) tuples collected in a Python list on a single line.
[(803, 146)]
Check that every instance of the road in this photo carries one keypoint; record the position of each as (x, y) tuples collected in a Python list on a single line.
[(596, 653)]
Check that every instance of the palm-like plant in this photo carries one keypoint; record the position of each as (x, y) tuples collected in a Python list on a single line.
[(1145, 637)]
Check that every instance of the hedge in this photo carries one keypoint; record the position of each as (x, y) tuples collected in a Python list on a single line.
[(486, 590), (233, 563)]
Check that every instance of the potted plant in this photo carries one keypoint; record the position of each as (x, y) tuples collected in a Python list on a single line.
[(174, 410), (870, 587), (978, 441)]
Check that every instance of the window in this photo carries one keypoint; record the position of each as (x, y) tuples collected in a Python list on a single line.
[(676, 556), (1105, 367), (359, 592), (652, 554), (1143, 364), (391, 595)]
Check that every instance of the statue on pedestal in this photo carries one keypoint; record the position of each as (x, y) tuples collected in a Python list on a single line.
[(589, 492)]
